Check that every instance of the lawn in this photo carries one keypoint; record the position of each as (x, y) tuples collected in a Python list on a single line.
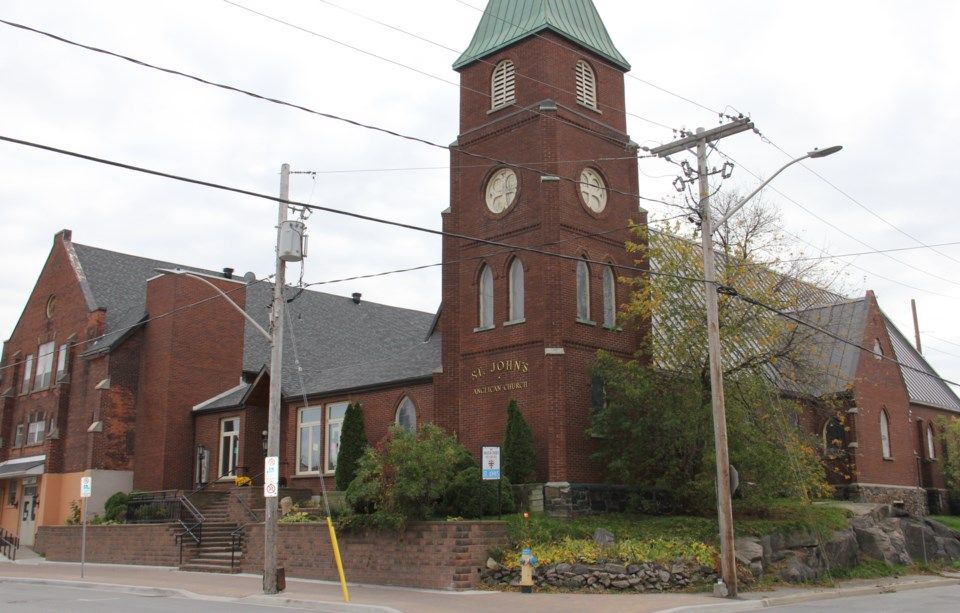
[(950, 521)]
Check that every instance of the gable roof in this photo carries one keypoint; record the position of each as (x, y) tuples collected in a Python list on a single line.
[(117, 283), (928, 389), (506, 22)]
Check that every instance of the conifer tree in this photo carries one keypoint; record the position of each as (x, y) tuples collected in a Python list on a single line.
[(353, 441), (518, 455)]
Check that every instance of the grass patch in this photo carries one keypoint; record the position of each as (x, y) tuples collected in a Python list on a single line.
[(782, 516), (871, 569), (950, 521)]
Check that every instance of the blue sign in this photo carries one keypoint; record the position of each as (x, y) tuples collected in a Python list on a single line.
[(490, 460)]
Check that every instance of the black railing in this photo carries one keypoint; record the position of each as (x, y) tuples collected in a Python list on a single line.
[(9, 545), (153, 507), (236, 537), (191, 520)]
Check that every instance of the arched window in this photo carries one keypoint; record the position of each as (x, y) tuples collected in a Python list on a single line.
[(609, 297), (486, 298), (502, 88), (516, 290), (833, 437), (884, 434), (931, 446), (586, 85), (407, 415), (583, 291)]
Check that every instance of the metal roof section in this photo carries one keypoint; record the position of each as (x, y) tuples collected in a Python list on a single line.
[(927, 389), (506, 22), (836, 361), (22, 467)]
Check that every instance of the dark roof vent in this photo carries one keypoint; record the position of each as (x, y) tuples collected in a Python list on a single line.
[(356, 297), (227, 273)]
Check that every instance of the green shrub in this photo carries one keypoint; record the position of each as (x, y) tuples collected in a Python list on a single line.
[(115, 508), (299, 517), (519, 461), (73, 519), (415, 476), (353, 442)]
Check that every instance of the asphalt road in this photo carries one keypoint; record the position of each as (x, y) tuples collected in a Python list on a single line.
[(944, 599)]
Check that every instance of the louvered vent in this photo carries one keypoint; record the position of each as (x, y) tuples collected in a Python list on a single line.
[(586, 85), (502, 89)]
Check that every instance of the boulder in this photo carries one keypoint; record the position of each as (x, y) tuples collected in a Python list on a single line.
[(841, 550), (604, 538), (749, 552), (876, 543), (797, 567), (921, 541), (492, 564)]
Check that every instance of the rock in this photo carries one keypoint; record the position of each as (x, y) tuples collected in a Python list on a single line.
[(632, 581), (615, 569), (580, 569), (664, 576), (604, 538), (563, 568), (796, 568), (620, 585), (941, 530), (633, 569), (920, 541), (591, 580), (286, 505), (802, 538), (841, 550), (492, 564), (877, 544), (951, 548), (748, 550)]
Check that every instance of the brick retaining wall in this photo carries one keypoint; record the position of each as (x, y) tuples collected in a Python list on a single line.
[(435, 555), (143, 544)]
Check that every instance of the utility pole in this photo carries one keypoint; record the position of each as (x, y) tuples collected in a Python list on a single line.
[(270, 582), (728, 562)]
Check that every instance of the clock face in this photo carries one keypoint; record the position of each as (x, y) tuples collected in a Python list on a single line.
[(501, 190), (593, 190)]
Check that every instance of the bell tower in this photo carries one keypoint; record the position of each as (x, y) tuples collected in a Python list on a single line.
[(543, 162)]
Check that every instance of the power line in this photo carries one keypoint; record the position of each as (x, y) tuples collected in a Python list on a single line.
[(272, 198), (861, 205), (837, 228), (142, 322), (848, 255), (305, 109)]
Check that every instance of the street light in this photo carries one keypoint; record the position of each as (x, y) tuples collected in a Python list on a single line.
[(728, 564)]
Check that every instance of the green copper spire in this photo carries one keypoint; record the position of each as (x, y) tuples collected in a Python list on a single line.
[(507, 21)]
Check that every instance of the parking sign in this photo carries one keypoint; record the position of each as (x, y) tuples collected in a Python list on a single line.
[(86, 486)]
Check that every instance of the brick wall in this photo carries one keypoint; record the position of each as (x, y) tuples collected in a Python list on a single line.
[(433, 555), (189, 357), (554, 391), (149, 544)]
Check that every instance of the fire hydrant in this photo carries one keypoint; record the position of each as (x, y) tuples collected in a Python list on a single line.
[(527, 562)]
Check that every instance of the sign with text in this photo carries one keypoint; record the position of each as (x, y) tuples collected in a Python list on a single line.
[(86, 486), (490, 462), (271, 476)]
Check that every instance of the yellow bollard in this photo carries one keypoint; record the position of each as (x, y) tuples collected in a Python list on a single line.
[(336, 555)]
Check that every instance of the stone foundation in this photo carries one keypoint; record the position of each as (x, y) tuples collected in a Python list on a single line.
[(913, 499), (567, 500)]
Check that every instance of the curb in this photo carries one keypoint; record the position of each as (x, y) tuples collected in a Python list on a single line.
[(834, 593), (259, 599)]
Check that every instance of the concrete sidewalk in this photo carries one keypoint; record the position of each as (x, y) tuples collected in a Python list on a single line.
[(326, 596)]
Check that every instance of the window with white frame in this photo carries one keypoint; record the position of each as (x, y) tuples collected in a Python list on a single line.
[(62, 357), (18, 437), (586, 85), (229, 446), (44, 366), (516, 290), (309, 443), (884, 434), (502, 86), (335, 414), (486, 298), (609, 297), (27, 375), (931, 444), (583, 291), (407, 415), (35, 429)]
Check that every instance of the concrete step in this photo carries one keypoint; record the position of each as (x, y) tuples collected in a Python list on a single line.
[(208, 568)]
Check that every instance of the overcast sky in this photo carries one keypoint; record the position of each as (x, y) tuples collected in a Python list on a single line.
[(877, 77)]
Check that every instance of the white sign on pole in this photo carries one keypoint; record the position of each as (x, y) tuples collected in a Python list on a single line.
[(271, 476), (86, 486), (490, 462)]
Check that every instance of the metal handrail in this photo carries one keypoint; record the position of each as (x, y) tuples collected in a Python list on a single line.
[(9, 544)]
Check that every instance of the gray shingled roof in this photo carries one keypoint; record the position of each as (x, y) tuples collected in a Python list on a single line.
[(924, 389), (343, 345), (230, 398), (118, 284)]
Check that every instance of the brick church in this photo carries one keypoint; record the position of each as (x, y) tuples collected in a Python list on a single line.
[(131, 371)]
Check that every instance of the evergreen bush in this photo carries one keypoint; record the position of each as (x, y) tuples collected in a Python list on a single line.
[(518, 458), (353, 442)]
